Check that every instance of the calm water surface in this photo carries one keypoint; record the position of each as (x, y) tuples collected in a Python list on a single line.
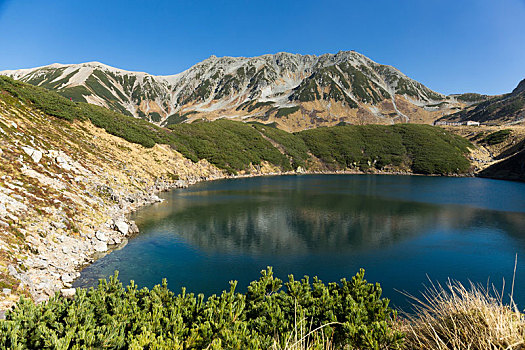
[(399, 228)]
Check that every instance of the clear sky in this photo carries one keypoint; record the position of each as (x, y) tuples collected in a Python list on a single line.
[(449, 45)]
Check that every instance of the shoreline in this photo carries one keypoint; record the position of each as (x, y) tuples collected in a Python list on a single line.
[(85, 249)]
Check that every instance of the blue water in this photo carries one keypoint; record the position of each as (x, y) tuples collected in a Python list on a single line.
[(404, 230)]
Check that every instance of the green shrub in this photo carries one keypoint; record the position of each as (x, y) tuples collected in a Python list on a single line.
[(111, 316), (282, 112), (496, 137), (422, 148), (293, 145), (227, 144)]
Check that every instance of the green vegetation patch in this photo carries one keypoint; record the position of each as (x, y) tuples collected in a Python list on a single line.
[(155, 117), (423, 149), (293, 145), (353, 315), (129, 128), (471, 97), (48, 102), (282, 112), (433, 150), (76, 93), (227, 144), (175, 119), (496, 137)]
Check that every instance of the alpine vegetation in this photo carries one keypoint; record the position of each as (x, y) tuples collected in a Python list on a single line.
[(351, 313)]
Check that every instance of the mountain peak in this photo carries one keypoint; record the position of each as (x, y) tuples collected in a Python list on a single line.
[(520, 88)]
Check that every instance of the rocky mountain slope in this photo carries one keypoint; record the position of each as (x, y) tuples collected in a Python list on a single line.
[(65, 190), (71, 171), (507, 109), (295, 91)]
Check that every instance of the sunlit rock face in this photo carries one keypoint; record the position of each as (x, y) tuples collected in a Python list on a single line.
[(296, 91)]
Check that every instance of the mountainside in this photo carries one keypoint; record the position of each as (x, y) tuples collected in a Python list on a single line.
[(70, 171), (505, 109), (295, 91)]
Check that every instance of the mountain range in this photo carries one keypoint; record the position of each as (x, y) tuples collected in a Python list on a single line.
[(294, 91)]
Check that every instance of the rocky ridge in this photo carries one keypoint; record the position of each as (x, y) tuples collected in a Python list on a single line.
[(295, 91), (506, 109)]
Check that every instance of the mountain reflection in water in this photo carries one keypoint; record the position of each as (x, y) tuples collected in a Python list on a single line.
[(400, 228)]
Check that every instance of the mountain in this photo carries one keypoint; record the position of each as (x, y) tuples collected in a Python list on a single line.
[(71, 172), (505, 109), (295, 91)]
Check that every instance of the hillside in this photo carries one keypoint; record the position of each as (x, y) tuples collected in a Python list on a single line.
[(498, 151), (295, 91), (70, 173), (65, 188), (507, 109)]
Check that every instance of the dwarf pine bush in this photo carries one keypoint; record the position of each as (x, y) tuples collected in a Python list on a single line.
[(111, 316)]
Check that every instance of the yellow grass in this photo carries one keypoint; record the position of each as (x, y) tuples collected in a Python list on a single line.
[(454, 317)]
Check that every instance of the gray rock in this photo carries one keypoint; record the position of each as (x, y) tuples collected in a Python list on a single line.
[(2, 314), (6, 291), (101, 236), (122, 227), (40, 298), (67, 278), (133, 228), (57, 224), (68, 292), (37, 155), (33, 153), (100, 246), (181, 184), (43, 286), (12, 271), (41, 264)]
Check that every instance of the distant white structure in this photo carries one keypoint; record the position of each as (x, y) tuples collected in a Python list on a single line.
[(468, 123), (448, 123)]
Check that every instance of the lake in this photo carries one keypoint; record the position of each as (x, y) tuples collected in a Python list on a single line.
[(402, 230)]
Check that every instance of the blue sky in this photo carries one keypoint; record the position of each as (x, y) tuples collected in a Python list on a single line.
[(449, 45)]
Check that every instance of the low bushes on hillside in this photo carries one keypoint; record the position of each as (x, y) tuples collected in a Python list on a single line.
[(234, 146), (421, 148), (226, 144), (110, 316), (496, 137)]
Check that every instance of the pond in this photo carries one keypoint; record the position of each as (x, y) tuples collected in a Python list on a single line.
[(403, 230)]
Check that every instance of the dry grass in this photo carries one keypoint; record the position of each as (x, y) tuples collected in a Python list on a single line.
[(303, 337), (454, 317)]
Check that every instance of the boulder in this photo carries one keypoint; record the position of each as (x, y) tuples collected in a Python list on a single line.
[(122, 227), (67, 278), (101, 236), (100, 246), (68, 292), (6, 291), (36, 155), (133, 228), (12, 271)]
